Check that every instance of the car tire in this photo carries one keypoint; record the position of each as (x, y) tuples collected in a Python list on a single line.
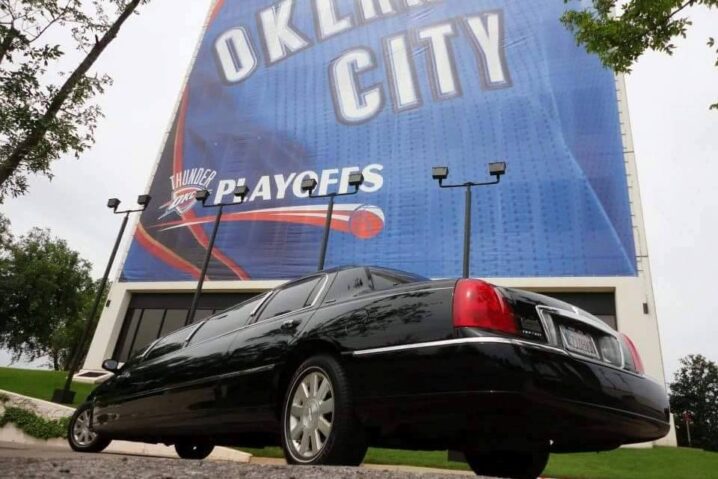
[(196, 450), (80, 434), (508, 464), (319, 425)]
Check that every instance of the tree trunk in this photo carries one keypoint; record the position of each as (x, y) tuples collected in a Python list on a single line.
[(55, 363), (15, 158)]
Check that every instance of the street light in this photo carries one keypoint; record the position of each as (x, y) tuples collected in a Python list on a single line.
[(65, 395), (202, 196), (355, 180), (441, 173)]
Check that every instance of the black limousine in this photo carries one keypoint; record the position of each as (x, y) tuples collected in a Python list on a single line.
[(332, 363)]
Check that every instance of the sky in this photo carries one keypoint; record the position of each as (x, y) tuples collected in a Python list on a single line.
[(675, 135)]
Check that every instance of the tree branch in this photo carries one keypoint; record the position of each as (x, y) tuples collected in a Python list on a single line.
[(35, 136)]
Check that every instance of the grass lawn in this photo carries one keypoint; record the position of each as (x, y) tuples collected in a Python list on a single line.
[(657, 463), (40, 383)]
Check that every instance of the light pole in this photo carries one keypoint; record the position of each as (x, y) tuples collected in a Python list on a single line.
[(440, 173), (309, 185), (240, 192), (65, 395)]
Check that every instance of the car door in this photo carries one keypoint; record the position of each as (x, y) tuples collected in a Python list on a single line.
[(194, 392), (257, 350), (137, 399)]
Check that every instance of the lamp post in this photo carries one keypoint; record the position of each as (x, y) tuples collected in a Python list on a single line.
[(240, 192), (441, 173), (65, 395), (309, 185)]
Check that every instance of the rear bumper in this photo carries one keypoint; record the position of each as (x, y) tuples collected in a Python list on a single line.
[(493, 388)]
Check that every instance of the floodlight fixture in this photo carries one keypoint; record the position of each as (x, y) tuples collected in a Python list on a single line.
[(113, 203), (497, 169), (309, 185), (202, 195), (241, 191), (440, 173), (144, 201), (356, 179)]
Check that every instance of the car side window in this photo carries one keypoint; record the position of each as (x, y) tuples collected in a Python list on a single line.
[(383, 280), (291, 298), (348, 284), (227, 321), (171, 342)]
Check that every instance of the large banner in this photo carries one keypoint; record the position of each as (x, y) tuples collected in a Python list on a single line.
[(285, 90)]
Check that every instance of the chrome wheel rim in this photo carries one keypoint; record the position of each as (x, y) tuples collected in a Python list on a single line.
[(311, 415), (82, 432)]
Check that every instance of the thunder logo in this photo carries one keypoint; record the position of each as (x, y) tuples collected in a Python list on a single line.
[(184, 186)]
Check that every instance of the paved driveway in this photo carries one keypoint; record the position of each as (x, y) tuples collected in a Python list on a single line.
[(39, 462)]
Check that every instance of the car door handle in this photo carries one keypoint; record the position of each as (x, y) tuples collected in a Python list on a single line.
[(290, 324)]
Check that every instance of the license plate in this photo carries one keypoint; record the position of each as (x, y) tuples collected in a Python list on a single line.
[(579, 342)]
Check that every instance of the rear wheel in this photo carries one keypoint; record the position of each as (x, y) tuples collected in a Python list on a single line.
[(508, 464), (81, 435), (318, 421), (193, 449)]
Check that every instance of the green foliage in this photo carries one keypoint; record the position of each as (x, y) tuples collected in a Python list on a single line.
[(695, 389), (40, 384), (655, 463), (46, 100), (619, 36), (47, 292), (34, 425)]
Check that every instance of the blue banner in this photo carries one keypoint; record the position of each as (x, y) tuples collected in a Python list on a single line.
[(285, 90)]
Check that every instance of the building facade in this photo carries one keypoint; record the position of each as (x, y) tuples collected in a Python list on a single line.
[(282, 91)]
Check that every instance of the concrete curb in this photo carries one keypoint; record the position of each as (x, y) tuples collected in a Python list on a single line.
[(50, 410)]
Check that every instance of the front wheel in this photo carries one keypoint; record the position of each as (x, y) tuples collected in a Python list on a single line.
[(193, 449), (81, 435), (508, 464), (318, 421)]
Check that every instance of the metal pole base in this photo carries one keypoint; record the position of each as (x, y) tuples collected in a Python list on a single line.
[(62, 396)]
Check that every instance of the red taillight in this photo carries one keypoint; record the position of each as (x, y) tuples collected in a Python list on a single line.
[(637, 362), (479, 305)]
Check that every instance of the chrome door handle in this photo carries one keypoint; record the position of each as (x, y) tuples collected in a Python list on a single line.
[(290, 324)]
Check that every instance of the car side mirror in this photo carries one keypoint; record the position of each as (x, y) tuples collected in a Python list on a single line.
[(111, 365)]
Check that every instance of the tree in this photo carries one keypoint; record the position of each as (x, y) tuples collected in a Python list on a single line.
[(46, 292), (45, 113), (620, 39), (695, 389)]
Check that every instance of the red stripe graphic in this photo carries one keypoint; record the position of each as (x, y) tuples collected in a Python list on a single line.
[(362, 222), (165, 254), (215, 10), (196, 230)]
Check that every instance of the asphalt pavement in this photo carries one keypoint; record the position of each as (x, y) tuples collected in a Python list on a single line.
[(21, 461)]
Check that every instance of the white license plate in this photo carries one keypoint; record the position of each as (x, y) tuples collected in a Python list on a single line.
[(579, 342)]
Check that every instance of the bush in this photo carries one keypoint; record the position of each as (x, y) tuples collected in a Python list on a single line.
[(34, 425)]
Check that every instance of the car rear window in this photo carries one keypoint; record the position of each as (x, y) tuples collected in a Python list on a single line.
[(383, 279), (348, 284)]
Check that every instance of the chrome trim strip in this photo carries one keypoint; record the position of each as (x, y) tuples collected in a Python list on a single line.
[(597, 323), (259, 305), (545, 312), (455, 342), (491, 340), (192, 331)]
